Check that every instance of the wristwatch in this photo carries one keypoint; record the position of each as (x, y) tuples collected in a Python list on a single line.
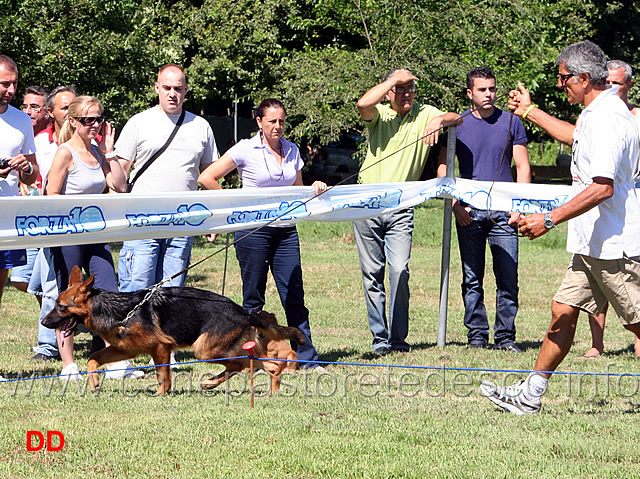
[(548, 222)]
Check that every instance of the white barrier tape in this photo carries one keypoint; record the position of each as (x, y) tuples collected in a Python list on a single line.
[(28, 222)]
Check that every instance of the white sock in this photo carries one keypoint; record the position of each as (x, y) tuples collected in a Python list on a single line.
[(536, 386)]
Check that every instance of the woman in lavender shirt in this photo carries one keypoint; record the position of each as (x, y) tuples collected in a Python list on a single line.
[(267, 160)]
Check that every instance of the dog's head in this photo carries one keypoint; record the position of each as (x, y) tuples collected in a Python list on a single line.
[(72, 306), (277, 349)]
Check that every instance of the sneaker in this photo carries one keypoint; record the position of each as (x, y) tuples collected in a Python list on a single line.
[(172, 360), (510, 347), (2, 379), (120, 369), (511, 398), (44, 357), (383, 351), (70, 373)]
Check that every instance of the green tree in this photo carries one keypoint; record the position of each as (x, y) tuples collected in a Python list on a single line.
[(320, 56), (109, 49)]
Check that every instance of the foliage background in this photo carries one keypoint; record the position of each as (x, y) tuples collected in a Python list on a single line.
[(319, 56)]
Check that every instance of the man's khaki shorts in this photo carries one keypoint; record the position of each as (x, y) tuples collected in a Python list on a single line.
[(590, 283)]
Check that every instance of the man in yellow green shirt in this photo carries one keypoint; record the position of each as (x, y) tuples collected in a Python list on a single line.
[(400, 136)]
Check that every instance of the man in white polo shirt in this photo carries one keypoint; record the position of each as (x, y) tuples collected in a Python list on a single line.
[(603, 215)]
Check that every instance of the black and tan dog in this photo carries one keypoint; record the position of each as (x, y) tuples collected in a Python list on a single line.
[(178, 317)]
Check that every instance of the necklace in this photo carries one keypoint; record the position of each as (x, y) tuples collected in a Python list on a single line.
[(266, 163)]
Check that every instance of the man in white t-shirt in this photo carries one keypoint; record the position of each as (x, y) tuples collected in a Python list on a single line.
[(603, 215), (17, 152), (144, 263)]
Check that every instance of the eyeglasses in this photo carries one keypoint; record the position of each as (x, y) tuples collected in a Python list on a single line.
[(564, 77), (90, 120), (404, 89), (34, 108)]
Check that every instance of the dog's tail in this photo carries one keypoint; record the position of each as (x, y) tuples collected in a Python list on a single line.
[(268, 325)]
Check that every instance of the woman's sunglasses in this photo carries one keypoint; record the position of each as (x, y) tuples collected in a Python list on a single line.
[(90, 120)]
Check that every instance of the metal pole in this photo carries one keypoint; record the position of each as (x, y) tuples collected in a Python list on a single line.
[(235, 138), (446, 243), (235, 117)]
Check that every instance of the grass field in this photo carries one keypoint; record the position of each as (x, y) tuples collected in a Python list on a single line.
[(357, 420)]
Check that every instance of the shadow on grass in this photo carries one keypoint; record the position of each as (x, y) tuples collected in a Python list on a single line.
[(352, 354), (524, 345), (629, 350)]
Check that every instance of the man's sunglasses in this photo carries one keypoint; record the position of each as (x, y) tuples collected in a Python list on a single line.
[(90, 120), (564, 77)]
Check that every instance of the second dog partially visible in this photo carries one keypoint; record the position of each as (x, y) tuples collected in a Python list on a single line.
[(279, 349), (172, 318)]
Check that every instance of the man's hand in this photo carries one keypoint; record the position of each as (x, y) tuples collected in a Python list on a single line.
[(532, 226), (402, 76), (20, 163), (462, 214), (432, 130), (514, 218), (519, 100)]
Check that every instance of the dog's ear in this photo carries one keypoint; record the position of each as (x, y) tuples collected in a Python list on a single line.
[(268, 316), (76, 276), (87, 285)]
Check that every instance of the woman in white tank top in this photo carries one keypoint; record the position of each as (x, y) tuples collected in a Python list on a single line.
[(81, 167)]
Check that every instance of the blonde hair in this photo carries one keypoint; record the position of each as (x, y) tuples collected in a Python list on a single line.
[(78, 106)]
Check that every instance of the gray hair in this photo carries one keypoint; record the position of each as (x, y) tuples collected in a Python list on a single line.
[(51, 99), (585, 57), (626, 68), (37, 90), (390, 74)]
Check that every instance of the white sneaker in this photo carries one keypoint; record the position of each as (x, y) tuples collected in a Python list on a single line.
[(172, 360), (70, 373), (120, 369), (511, 398), (2, 379)]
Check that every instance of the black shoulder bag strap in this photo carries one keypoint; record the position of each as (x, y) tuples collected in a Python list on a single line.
[(131, 182)]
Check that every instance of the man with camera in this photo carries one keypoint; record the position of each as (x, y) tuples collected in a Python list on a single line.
[(17, 154)]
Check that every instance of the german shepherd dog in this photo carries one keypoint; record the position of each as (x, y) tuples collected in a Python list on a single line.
[(178, 317)]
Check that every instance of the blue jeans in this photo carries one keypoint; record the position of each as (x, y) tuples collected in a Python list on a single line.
[(92, 258), (381, 240), (277, 249), (472, 241), (43, 283), (22, 274), (144, 263)]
